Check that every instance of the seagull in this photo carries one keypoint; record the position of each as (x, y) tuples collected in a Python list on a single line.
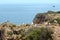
[(53, 5)]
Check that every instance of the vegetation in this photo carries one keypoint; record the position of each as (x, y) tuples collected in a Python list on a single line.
[(57, 21), (39, 34), (9, 33)]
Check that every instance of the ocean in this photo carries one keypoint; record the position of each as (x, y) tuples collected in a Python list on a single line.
[(24, 13)]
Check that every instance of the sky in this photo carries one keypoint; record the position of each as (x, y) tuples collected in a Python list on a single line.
[(29, 1)]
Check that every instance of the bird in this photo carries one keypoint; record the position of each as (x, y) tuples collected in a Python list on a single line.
[(53, 5)]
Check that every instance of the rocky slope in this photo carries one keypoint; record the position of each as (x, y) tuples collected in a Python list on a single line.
[(46, 17)]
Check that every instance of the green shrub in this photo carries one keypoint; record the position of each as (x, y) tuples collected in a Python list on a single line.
[(12, 26), (52, 21), (38, 34), (9, 33), (58, 20), (27, 24)]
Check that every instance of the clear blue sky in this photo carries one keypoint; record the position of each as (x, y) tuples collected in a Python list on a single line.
[(28, 1)]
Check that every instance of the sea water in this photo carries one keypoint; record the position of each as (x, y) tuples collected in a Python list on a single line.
[(24, 13)]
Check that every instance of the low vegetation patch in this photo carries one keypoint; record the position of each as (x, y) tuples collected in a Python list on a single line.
[(39, 34)]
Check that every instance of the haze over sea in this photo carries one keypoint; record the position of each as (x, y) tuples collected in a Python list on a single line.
[(24, 13)]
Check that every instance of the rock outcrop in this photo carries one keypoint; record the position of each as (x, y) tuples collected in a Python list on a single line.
[(46, 17)]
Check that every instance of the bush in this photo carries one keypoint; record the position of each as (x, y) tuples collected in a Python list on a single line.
[(38, 34), (9, 33), (52, 21), (58, 12), (58, 20)]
